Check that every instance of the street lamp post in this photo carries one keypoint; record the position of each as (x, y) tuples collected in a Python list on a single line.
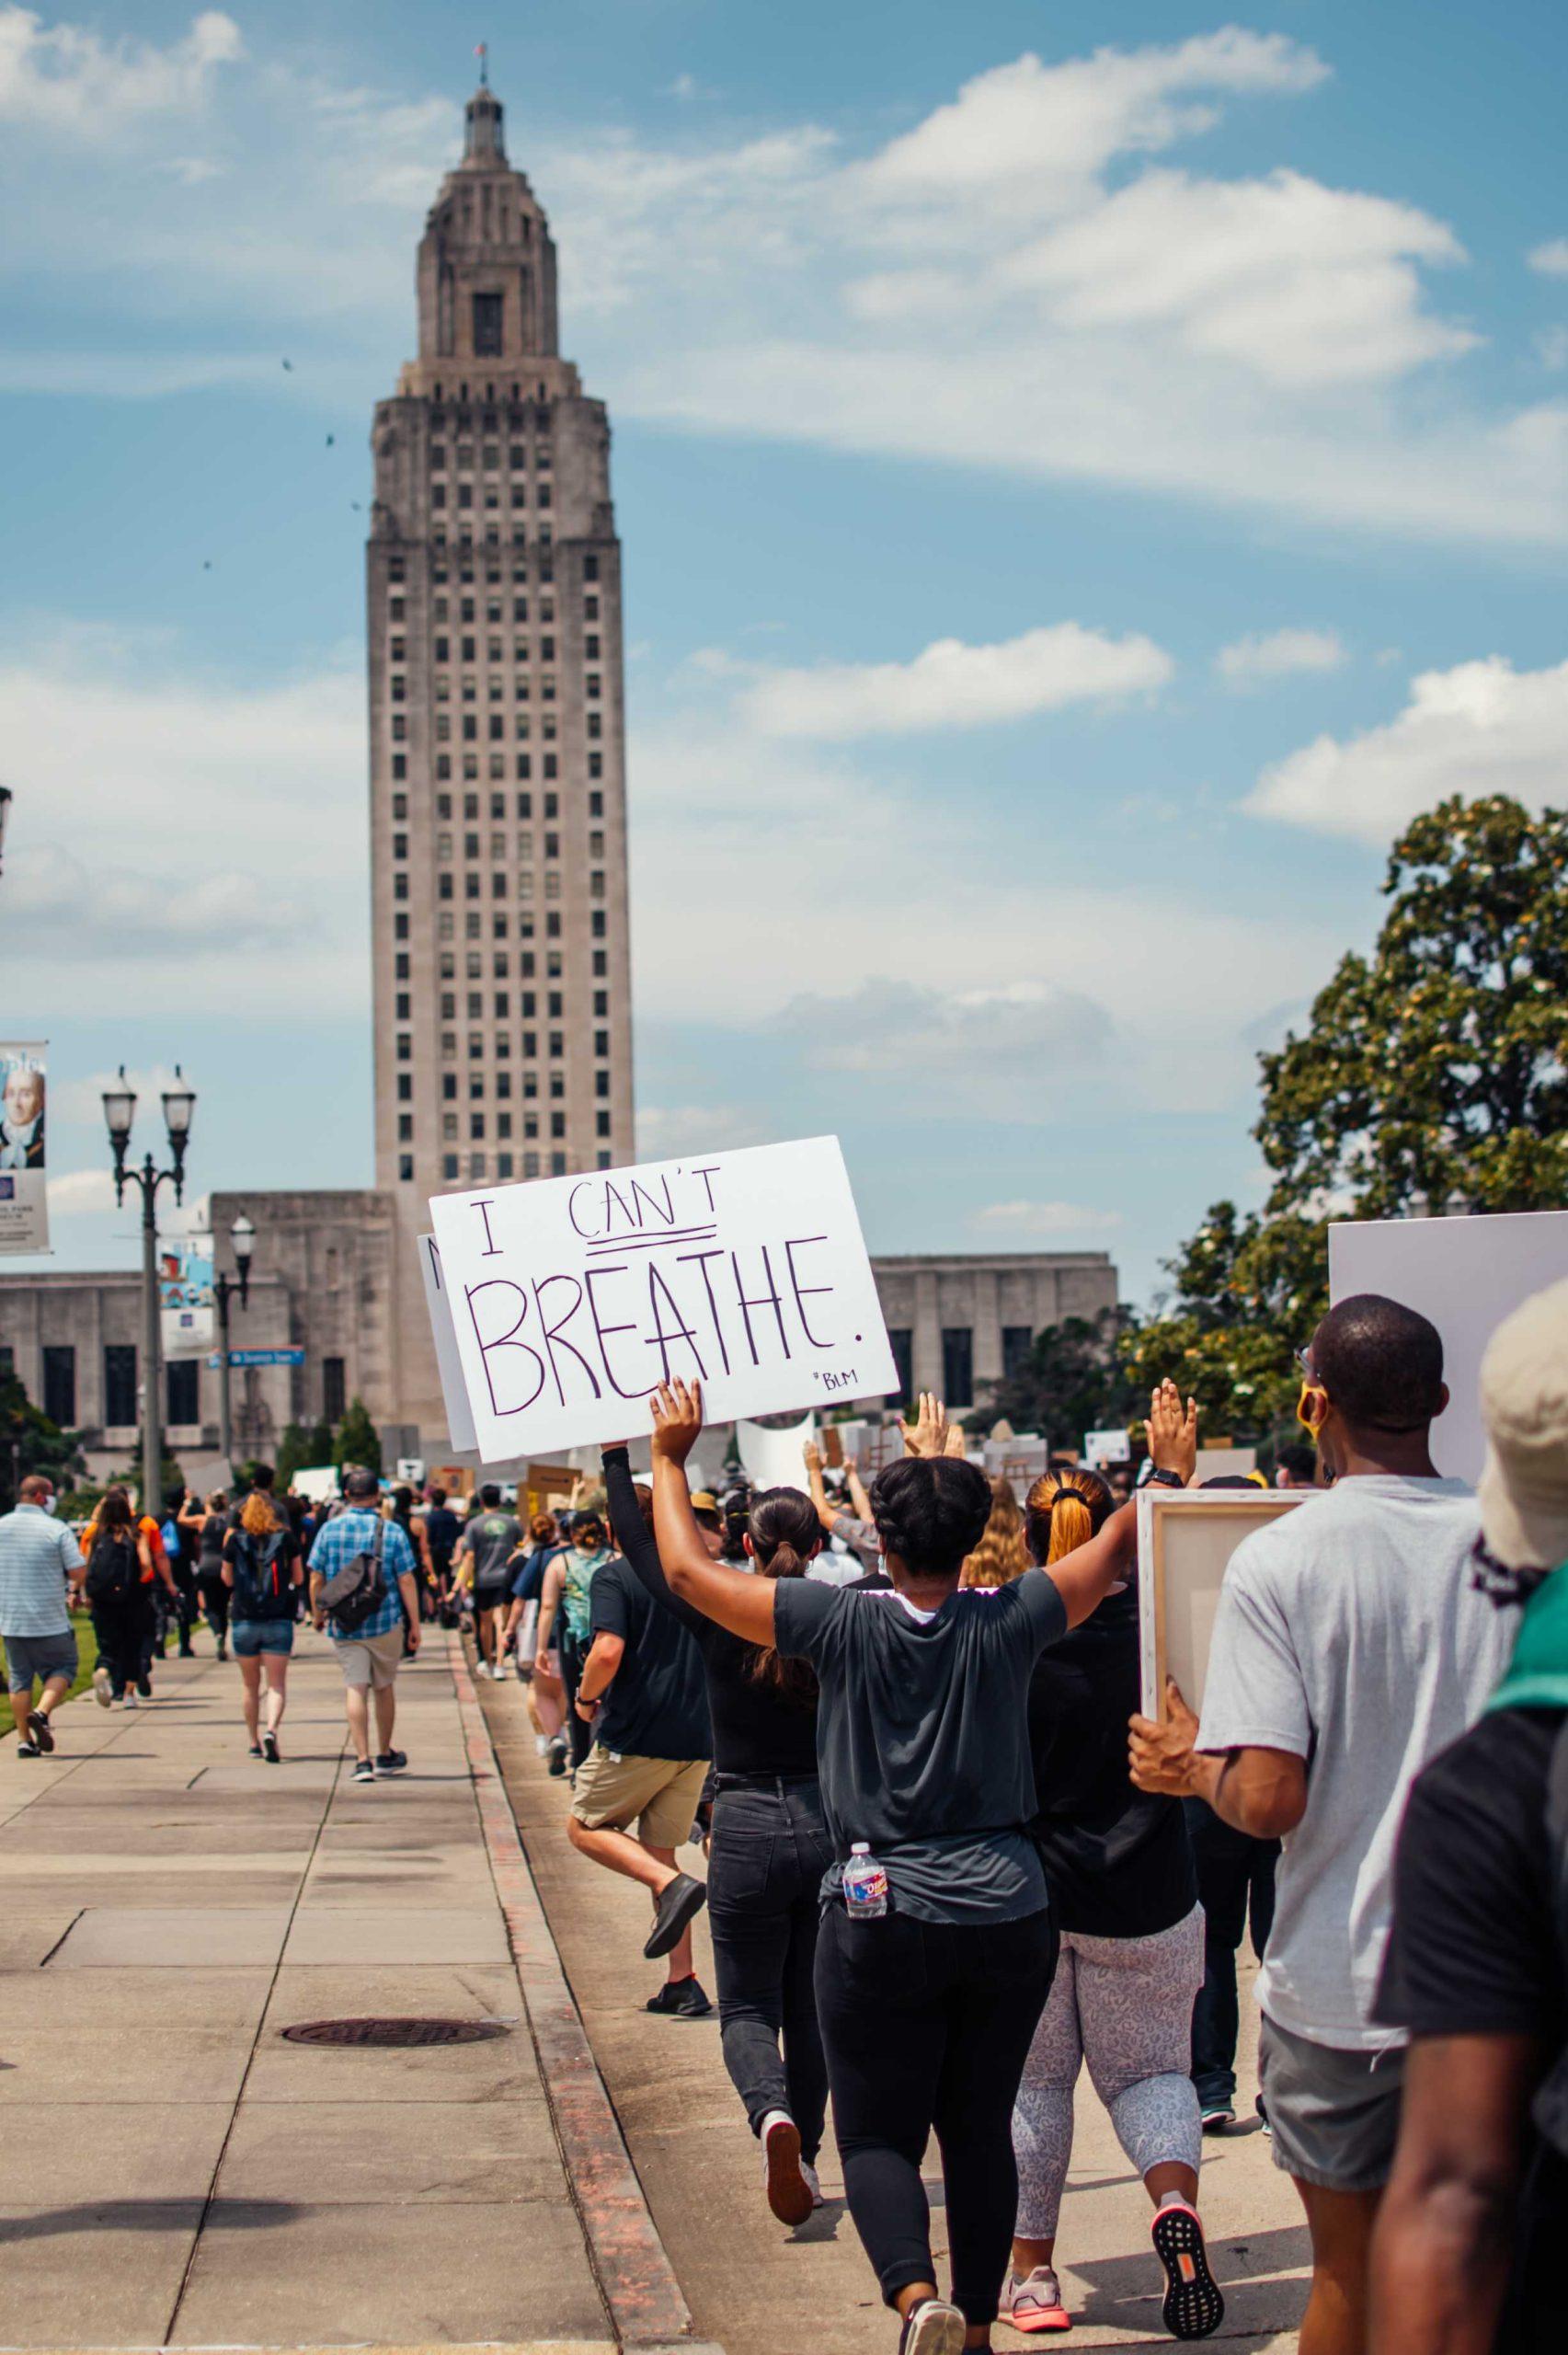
[(119, 1112), (242, 1235), (4, 813)]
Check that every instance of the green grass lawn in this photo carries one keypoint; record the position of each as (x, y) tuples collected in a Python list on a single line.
[(86, 1645)]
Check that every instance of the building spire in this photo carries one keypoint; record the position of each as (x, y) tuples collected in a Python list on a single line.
[(484, 143)]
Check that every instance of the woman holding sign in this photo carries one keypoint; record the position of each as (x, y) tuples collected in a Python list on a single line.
[(937, 1943)]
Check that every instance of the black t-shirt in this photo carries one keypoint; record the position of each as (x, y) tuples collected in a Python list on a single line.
[(658, 1704), (922, 1737), (756, 1730), (442, 1530), (1117, 1859), (1474, 1952), (210, 1557)]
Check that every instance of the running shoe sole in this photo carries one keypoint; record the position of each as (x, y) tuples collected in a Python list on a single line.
[(789, 2194), (939, 2331), (1193, 2306), (1043, 2318)]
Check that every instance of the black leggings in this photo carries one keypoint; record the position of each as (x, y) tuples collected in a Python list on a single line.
[(124, 1633), (574, 1658), (928, 2024), (770, 1851)]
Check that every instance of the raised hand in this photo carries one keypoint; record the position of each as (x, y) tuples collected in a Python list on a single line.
[(811, 1455), (677, 1419), (1173, 1432), (929, 1434)]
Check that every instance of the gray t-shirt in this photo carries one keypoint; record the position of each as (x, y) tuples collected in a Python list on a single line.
[(922, 1738), (1350, 1634)]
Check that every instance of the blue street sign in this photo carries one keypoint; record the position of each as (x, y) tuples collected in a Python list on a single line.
[(260, 1357)]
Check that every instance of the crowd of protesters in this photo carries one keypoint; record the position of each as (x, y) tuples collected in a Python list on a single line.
[(950, 1864)]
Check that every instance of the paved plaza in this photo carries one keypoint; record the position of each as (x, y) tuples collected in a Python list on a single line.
[(179, 2174)]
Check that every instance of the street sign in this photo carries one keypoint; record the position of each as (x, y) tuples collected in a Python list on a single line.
[(260, 1357)]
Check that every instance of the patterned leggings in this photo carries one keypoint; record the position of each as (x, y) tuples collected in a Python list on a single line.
[(1124, 2006)]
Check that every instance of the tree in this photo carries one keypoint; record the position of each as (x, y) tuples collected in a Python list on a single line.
[(318, 1443), (1434, 1072), (358, 1441), (1433, 1075), (29, 1442), (291, 1454), (1071, 1382)]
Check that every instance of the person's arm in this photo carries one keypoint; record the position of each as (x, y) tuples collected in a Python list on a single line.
[(858, 1497), (599, 1671), (1086, 1576), (732, 1599), (407, 1587), (812, 1457), (1252, 1789), (1445, 2234), (549, 1603), (637, 1546), (73, 1566)]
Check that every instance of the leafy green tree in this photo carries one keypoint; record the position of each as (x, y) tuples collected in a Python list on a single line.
[(30, 1442), (1073, 1380), (318, 1443), (1433, 1076), (291, 1455), (358, 1441)]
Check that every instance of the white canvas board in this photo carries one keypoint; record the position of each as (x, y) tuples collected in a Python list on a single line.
[(449, 1366), (1185, 1539), (572, 1298), (1224, 1463), (1467, 1275)]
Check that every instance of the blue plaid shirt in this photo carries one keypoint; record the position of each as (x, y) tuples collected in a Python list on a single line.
[(354, 1532)]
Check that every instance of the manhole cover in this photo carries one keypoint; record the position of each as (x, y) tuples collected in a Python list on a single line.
[(403, 2032)]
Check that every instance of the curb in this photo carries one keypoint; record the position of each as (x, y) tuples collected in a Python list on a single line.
[(636, 2280)]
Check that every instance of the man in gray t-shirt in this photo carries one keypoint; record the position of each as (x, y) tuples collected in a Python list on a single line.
[(1350, 1646), (490, 1537)]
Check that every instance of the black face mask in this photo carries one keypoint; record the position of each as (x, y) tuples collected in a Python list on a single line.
[(1502, 1584)]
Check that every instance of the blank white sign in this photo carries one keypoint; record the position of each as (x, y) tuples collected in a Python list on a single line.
[(1466, 1274), (572, 1298)]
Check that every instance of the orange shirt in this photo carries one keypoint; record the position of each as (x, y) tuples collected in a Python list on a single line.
[(146, 1527)]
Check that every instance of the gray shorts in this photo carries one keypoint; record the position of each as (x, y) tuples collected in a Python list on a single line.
[(31, 1658), (1334, 2114)]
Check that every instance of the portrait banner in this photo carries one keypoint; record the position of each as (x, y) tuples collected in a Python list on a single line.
[(24, 1185), (187, 1302), (572, 1298)]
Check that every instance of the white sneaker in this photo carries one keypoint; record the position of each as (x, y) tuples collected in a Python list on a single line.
[(103, 1687), (934, 2328), (131, 1701), (812, 2182), (1034, 2303), (784, 2178), (542, 1745)]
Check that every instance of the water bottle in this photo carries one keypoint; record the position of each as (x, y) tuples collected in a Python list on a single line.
[(865, 1884)]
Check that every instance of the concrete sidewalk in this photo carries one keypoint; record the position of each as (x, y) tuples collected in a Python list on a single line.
[(176, 2174), (763, 2290)]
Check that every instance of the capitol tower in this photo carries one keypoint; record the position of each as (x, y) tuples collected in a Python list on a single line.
[(502, 1002)]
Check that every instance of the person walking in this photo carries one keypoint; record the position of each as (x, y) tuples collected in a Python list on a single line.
[(442, 1530), (1467, 2258), (566, 1613), (1123, 1888), (484, 1553), (544, 1696), (769, 1847), (641, 1696), (121, 1567), (370, 1647), (41, 1564), (262, 1571), (937, 1943), (1350, 1646), (210, 1583)]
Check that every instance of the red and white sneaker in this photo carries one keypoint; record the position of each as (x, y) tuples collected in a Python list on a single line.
[(789, 2194), (1034, 2303), (1193, 2305)]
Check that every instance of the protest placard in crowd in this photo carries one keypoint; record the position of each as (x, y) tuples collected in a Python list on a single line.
[(1466, 1274), (571, 1298), (1185, 1538), (454, 1396)]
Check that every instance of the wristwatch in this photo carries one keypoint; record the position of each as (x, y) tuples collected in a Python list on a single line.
[(1166, 1480)]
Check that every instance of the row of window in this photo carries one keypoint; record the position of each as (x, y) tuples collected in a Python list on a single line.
[(495, 647), (551, 806), (478, 1171), (491, 496), (495, 762), (501, 884), (495, 612), (122, 1402), (518, 846), (500, 929), (490, 455), (397, 568)]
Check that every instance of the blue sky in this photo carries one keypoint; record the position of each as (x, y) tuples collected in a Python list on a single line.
[(1088, 474)]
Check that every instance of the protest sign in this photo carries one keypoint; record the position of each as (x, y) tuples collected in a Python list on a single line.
[(1100, 1448), (24, 1187), (572, 1298), (1466, 1274), (454, 1396), (774, 1459), (1185, 1539)]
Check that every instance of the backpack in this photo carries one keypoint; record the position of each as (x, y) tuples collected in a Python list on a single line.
[(1550, 2107), (351, 1593), (259, 1590), (115, 1570)]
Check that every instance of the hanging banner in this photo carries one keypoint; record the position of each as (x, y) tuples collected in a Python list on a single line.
[(186, 1297), (24, 1196), (571, 1298)]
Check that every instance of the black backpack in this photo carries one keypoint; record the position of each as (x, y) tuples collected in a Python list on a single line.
[(115, 1570), (351, 1593), (261, 1591)]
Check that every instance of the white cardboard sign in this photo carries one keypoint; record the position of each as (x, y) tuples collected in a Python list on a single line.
[(572, 1298), (454, 1396), (1466, 1274)]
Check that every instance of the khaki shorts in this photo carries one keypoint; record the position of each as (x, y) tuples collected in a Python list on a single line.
[(660, 1794), (370, 1659)]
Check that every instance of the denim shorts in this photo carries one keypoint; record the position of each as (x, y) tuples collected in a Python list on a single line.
[(39, 1657), (249, 1637)]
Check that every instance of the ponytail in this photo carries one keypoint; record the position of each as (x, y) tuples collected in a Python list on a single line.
[(1064, 1511), (786, 1535)]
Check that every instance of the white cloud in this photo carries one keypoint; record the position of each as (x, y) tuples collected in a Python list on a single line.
[(1480, 727), (74, 1193), (68, 77), (209, 836), (954, 685), (1552, 259), (1043, 1218), (665, 1132), (1279, 654), (896, 1029)]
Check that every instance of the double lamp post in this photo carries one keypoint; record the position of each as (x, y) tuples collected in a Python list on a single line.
[(120, 1113)]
